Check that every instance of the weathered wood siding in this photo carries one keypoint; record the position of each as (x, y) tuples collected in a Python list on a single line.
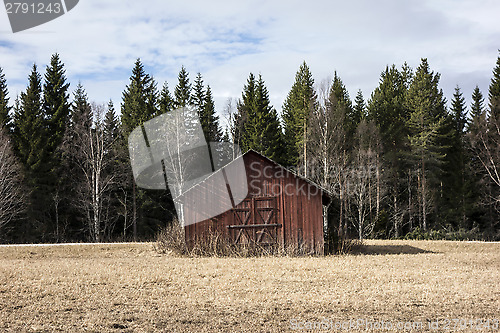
[(290, 206)]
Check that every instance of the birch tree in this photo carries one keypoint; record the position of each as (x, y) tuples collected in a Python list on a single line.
[(92, 160), (12, 195)]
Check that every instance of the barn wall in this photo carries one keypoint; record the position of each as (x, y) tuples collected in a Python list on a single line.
[(298, 211)]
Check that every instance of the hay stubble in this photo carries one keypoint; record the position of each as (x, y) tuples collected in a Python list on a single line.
[(129, 288)]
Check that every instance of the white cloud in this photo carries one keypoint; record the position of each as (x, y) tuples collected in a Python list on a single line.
[(224, 40)]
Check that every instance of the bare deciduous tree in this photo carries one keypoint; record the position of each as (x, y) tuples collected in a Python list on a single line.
[(363, 179), (12, 195), (328, 163), (90, 156), (485, 142)]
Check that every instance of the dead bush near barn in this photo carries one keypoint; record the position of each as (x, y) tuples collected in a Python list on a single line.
[(171, 240)]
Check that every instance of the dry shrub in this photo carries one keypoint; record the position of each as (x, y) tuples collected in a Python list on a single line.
[(171, 240), (351, 245)]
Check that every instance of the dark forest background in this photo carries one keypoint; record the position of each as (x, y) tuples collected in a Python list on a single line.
[(403, 163)]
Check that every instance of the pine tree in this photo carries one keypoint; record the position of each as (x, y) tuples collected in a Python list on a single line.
[(300, 102), (55, 103), (182, 91), (4, 102), (140, 99)]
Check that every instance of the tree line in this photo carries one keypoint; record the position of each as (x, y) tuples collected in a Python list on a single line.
[(401, 163)]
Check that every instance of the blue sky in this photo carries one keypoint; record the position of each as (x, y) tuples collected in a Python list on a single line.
[(226, 40)]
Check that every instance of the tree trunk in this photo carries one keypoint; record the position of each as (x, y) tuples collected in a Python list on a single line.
[(396, 212), (134, 211), (305, 147), (424, 201), (378, 189), (410, 212)]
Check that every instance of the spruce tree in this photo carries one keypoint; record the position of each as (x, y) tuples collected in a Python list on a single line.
[(182, 91), (359, 105), (69, 218), (387, 109), (198, 95), (267, 119), (139, 100), (494, 93), (139, 104), (210, 119), (340, 95), (4, 102), (29, 124), (426, 125), (204, 105), (110, 125), (261, 129), (166, 102), (81, 112), (55, 103), (330, 155), (459, 111), (456, 168), (476, 108), (242, 116), (299, 103), (493, 147), (31, 148)]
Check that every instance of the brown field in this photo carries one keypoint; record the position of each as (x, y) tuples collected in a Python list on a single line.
[(130, 288)]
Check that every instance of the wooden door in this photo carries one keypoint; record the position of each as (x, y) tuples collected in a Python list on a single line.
[(255, 222)]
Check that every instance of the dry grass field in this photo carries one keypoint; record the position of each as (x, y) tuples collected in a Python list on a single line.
[(130, 288)]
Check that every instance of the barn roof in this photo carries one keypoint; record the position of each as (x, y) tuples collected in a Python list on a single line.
[(326, 195)]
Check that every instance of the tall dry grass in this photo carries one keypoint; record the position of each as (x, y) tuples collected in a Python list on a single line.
[(171, 240)]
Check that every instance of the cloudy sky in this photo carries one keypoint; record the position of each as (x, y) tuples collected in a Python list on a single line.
[(226, 40)]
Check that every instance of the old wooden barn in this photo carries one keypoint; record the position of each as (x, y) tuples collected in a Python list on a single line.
[(281, 209)]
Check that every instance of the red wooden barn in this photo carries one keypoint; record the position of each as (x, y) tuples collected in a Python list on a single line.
[(281, 208)]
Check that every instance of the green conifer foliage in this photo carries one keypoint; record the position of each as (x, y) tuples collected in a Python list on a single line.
[(139, 101), (299, 103), (4, 101)]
